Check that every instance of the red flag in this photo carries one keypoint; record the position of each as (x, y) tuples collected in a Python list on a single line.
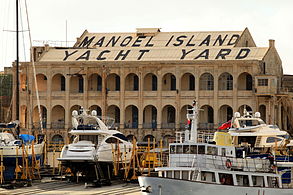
[(225, 125)]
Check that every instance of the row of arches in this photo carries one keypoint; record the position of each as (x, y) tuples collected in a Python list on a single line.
[(131, 82), (150, 116)]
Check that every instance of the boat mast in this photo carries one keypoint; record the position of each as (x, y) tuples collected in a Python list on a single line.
[(17, 65)]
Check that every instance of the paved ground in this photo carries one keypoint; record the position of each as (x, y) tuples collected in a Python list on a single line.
[(63, 187)]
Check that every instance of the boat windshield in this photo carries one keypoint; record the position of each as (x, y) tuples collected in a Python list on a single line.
[(249, 123), (93, 138)]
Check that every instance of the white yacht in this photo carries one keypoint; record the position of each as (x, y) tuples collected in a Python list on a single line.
[(91, 152), (250, 130), (206, 168)]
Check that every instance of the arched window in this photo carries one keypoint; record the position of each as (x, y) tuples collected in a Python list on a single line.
[(131, 82), (150, 82), (113, 82), (169, 82), (206, 82), (225, 81), (150, 117), (131, 117), (95, 83), (244, 81), (206, 117), (187, 82), (168, 117)]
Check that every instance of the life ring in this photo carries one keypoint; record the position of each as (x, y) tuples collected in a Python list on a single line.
[(228, 163)]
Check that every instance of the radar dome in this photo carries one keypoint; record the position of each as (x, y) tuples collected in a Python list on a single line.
[(94, 113), (236, 114), (74, 113), (257, 114)]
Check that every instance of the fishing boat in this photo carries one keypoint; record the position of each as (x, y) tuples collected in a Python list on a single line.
[(92, 151), (207, 168)]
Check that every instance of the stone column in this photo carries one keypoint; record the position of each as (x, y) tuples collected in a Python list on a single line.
[(67, 104)]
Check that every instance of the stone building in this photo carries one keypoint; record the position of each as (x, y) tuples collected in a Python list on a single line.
[(146, 79), (5, 95)]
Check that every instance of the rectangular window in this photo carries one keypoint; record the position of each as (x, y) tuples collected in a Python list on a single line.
[(154, 83), (201, 149), (193, 149), (62, 83), (135, 83), (191, 82), (262, 82), (173, 83), (179, 149), (117, 83), (80, 85), (99, 83)]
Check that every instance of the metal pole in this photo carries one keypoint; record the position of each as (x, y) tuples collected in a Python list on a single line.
[(17, 67)]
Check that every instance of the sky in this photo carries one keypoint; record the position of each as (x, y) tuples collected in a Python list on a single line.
[(265, 19)]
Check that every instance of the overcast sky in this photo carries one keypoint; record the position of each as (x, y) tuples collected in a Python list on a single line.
[(265, 19)]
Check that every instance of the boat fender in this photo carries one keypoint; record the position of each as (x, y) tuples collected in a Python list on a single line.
[(228, 163)]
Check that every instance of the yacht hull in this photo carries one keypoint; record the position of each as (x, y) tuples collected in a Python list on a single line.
[(161, 186)]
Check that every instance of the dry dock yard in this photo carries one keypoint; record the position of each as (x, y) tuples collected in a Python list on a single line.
[(51, 187)]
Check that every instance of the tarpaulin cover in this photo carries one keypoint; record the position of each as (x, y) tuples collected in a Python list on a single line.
[(26, 138)]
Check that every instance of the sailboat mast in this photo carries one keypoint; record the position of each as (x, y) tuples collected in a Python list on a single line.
[(17, 64)]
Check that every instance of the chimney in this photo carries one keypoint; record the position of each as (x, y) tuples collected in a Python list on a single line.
[(272, 43)]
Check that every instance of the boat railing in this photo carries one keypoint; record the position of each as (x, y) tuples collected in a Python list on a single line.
[(221, 162), (205, 136)]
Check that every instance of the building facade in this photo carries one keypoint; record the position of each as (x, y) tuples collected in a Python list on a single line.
[(145, 80), (5, 95)]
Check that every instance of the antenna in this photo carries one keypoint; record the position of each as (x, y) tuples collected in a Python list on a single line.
[(66, 33)]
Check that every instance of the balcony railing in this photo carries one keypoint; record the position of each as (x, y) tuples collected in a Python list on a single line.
[(36, 125), (58, 125), (133, 125), (206, 126), (152, 125), (168, 125)]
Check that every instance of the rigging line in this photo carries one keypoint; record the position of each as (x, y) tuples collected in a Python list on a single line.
[(34, 69), (21, 24), (10, 106)]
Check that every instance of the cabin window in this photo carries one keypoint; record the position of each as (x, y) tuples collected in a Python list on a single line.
[(186, 149), (273, 182), (112, 140), (172, 149), (258, 181), (177, 174), (185, 175), (193, 149), (208, 176), (242, 180), (273, 139), (226, 179), (209, 150), (212, 150), (201, 149), (223, 150), (179, 149)]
